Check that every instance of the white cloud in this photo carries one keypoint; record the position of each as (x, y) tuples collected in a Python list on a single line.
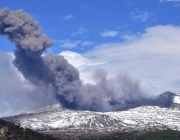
[(109, 33), (69, 44), (175, 3), (73, 44), (78, 60), (85, 65), (140, 15), (152, 56), (17, 94), (68, 17), (86, 43), (80, 31), (129, 36)]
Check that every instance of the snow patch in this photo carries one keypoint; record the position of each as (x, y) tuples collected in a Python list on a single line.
[(177, 99)]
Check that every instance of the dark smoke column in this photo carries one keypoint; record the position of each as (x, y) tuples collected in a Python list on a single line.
[(54, 71), (30, 43), (67, 81)]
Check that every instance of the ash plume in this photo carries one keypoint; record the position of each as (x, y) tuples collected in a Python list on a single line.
[(30, 43), (67, 81), (110, 94), (55, 71)]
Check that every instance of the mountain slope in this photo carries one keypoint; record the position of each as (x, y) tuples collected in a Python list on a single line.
[(165, 114), (138, 118), (9, 131)]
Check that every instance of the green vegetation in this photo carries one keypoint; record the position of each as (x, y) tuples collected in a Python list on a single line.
[(3, 138), (117, 135), (161, 135), (158, 135)]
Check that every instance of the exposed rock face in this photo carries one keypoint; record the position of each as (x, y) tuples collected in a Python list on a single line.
[(166, 99)]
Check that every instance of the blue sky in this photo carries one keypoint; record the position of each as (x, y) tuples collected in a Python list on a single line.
[(138, 37), (70, 21)]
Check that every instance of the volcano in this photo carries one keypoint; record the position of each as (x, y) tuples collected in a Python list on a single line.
[(161, 113)]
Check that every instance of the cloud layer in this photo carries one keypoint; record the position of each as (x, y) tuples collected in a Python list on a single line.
[(152, 56), (17, 94)]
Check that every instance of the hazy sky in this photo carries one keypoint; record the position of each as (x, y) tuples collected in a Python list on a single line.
[(139, 37)]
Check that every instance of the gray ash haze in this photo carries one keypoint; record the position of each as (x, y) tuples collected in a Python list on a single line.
[(51, 77)]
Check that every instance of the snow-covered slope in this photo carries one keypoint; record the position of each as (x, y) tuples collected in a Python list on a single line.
[(138, 118), (55, 107)]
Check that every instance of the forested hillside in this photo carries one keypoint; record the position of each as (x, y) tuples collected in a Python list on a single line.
[(9, 131)]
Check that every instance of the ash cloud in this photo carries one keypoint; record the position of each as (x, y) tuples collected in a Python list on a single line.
[(30, 43), (110, 94), (53, 73), (67, 81), (18, 95)]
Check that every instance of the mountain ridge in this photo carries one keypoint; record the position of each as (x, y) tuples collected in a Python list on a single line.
[(161, 115)]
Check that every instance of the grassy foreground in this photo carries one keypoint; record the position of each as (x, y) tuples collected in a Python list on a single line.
[(158, 135)]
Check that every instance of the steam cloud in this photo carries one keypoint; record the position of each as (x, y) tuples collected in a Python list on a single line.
[(55, 72)]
